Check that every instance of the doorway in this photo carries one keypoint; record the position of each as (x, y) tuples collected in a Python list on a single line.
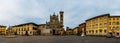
[(53, 32)]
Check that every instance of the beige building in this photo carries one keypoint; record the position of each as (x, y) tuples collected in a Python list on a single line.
[(25, 29), (9, 31), (2, 30), (46, 32), (41, 28), (43, 31)]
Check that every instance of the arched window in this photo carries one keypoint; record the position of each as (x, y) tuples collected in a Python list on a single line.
[(105, 31), (117, 23), (92, 31), (117, 34), (96, 31), (100, 30)]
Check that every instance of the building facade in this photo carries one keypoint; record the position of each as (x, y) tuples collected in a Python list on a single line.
[(56, 24), (69, 31), (53, 27), (102, 25), (41, 29), (25, 29), (97, 25), (2, 30), (75, 31), (114, 25), (82, 29)]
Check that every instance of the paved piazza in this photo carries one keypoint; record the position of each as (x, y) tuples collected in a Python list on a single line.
[(58, 39)]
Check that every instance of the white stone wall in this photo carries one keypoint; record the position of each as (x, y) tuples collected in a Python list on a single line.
[(46, 32)]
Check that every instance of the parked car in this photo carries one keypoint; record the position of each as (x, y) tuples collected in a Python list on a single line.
[(109, 35), (118, 37), (9, 36)]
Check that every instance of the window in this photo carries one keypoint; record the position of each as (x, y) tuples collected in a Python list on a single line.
[(113, 18), (117, 23), (61, 15), (34, 28), (117, 18), (86, 31), (110, 19), (28, 28), (110, 23), (117, 33), (89, 31), (100, 30), (24, 29), (105, 31), (92, 31), (100, 25), (110, 27), (96, 25), (61, 26), (19, 29), (96, 31), (30, 32), (113, 23), (105, 19), (117, 27), (105, 24), (113, 28), (16, 29)]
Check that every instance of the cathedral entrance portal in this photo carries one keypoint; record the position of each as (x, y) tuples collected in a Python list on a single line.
[(53, 32)]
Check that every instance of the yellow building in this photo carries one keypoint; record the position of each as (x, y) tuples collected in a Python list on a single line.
[(25, 29), (75, 31), (114, 25), (97, 25), (68, 31), (2, 30), (103, 25)]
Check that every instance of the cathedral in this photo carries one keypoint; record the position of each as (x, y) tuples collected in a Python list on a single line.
[(56, 24)]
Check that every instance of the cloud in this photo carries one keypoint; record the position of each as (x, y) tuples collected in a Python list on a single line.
[(14, 12)]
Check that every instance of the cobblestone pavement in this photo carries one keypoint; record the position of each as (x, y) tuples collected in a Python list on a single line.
[(58, 39)]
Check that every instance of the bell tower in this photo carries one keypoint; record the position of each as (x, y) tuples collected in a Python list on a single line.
[(61, 18)]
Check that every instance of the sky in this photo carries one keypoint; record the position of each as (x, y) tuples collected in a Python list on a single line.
[(14, 12)]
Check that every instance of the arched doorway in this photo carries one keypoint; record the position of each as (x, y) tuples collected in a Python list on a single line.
[(26, 33), (53, 32)]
